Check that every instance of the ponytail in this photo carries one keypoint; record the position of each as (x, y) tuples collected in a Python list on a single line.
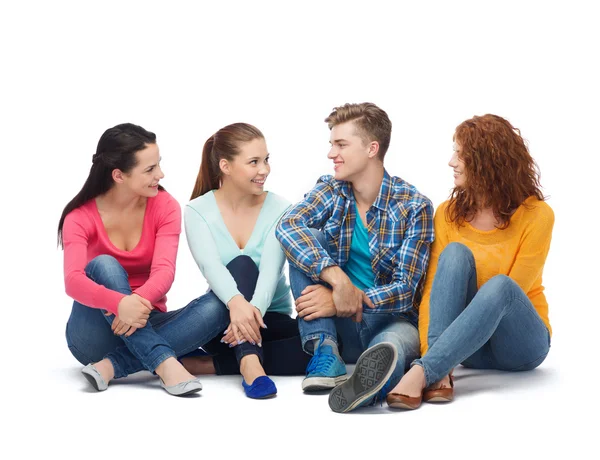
[(208, 176), (223, 145)]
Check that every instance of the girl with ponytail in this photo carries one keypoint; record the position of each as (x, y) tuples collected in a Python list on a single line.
[(230, 227)]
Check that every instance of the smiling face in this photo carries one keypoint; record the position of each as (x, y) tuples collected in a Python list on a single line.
[(143, 178), (248, 170), (458, 166), (349, 152)]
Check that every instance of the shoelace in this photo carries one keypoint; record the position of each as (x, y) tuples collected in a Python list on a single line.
[(320, 362)]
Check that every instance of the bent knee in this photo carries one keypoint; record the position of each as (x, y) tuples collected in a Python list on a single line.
[(457, 253), (500, 285), (242, 262), (102, 265)]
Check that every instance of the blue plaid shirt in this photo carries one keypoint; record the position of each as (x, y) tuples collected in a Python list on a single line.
[(400, 228)]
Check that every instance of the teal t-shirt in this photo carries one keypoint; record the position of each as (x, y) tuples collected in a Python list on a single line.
[(358, 268)]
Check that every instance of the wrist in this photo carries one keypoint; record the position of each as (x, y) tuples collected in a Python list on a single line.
[(334, 276), (235, 301)]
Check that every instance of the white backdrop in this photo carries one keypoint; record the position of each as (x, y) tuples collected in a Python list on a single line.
[(70, 70)]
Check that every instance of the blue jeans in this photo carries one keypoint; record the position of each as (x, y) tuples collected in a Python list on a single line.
[(495, 327), (167, 334), (354, 338)]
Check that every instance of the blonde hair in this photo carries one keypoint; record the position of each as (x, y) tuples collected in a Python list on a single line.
[(371, 122)]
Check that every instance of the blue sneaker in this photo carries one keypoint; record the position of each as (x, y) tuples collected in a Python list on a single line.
[(373, 370), (325, 370)]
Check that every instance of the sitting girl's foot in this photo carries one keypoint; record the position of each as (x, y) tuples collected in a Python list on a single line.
[(255, 382), (412, 384), (172, 372), (175, 379), (444, 383), (99, 374), (251, 369), (106, 369), (442, 391), (408, 394)]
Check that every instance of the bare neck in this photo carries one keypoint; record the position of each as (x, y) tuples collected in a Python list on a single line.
[(119, 199), (233, 198), (366, 187)]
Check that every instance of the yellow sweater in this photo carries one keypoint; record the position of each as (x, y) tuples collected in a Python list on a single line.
[(518, 251)]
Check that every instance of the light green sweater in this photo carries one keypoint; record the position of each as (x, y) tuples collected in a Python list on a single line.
[(213, 248)]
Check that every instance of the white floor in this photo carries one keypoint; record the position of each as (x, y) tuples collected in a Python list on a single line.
[(494, 415)]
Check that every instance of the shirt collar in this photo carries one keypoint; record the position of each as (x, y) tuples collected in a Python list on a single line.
[(385, 192)]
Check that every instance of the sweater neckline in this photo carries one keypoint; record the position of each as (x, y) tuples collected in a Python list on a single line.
[(104, 233)]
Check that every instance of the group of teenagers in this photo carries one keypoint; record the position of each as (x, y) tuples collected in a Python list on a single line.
[(378, 279)]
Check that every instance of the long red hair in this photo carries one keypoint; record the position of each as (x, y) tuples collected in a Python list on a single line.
[(500, 172)]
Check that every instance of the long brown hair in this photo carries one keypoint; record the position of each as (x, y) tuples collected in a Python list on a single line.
[(499, 171), (116, 150), (224, 144)]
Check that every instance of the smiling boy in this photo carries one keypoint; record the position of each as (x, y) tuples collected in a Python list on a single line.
[(358, 247)]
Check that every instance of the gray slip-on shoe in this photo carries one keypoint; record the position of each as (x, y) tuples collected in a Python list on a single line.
[(183, 388), (93, 376)]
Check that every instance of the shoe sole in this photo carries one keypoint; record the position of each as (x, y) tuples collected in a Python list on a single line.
[(322, 383), (373, 368), (189, 392), (269, 396), (400, 405), (438, 399), (92, 380)]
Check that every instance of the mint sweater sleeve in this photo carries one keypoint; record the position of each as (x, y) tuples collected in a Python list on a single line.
[(205, 253), (270, 270)]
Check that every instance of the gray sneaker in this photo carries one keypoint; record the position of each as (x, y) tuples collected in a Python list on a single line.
[(373, 369)]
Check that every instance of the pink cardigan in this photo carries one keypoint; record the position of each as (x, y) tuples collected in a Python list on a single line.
[(150, 265)]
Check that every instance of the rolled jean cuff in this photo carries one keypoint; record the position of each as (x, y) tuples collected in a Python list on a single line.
[(245, 349), (316, 335), (118, 370), (163, 356)]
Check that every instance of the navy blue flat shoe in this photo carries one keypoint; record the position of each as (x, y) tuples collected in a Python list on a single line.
[(262, 387)]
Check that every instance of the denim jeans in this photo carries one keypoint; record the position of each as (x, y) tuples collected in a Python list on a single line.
[(495, 327), (354, 338), (167, 334)]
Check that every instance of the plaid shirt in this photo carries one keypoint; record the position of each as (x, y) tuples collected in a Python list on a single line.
[(400, 227)]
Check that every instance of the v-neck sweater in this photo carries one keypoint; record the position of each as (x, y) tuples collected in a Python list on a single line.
[(213, 247)]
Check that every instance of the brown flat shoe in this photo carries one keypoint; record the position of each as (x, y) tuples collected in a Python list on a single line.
[(398, 401), (438, 395)]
